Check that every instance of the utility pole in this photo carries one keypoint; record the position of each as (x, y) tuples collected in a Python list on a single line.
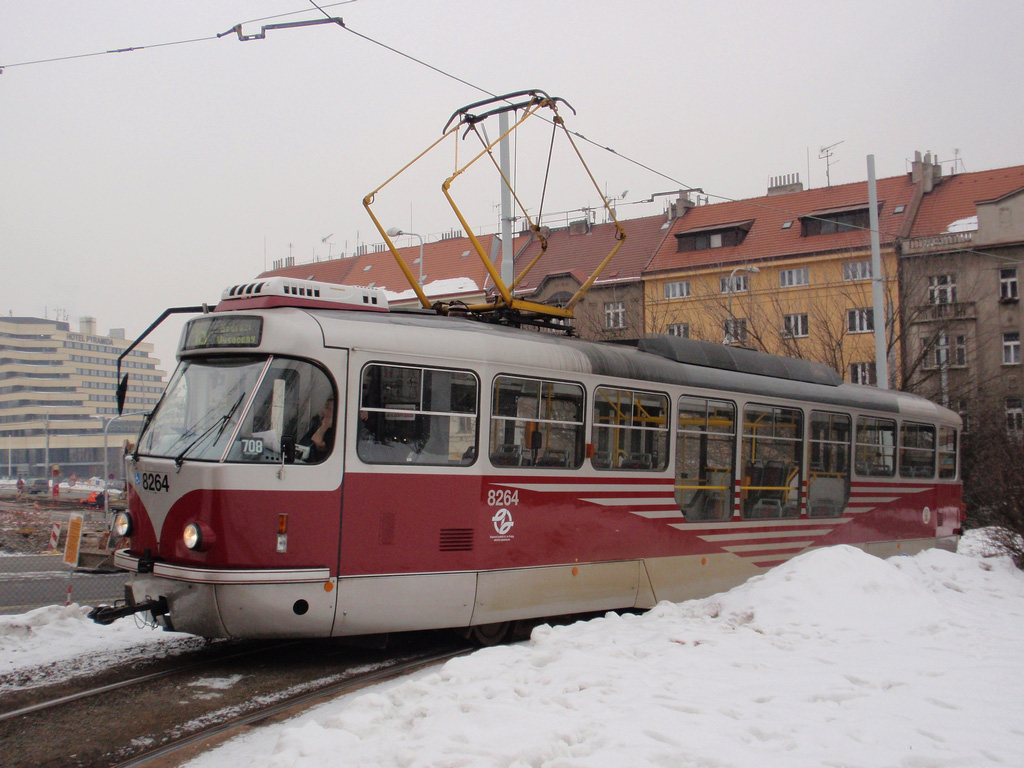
[(507, 268), (878, 298)]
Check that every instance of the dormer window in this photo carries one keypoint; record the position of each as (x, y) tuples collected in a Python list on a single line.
[(836, 220), (717, 236)]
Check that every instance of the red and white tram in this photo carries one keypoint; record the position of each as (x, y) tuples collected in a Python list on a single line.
[(320, 465)]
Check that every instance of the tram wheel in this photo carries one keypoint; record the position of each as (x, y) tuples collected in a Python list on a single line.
[(487, 635)]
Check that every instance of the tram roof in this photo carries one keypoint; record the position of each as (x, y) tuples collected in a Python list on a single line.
[(661, 359)]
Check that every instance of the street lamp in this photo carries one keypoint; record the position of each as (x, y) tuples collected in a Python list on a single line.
[(729, 335), (106, 426), (396, 232)]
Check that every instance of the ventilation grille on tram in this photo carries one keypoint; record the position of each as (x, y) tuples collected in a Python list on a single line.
[(312, 291), (456, 539)]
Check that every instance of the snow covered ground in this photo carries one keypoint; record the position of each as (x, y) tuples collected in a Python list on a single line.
[(835, 658)]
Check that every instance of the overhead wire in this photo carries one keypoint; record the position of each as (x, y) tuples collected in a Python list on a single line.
[(322, 9), (133, 48)]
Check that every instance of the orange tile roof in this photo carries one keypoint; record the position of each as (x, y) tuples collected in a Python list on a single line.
[(580, 254), (767, 239), (442, 260), (954, 197)]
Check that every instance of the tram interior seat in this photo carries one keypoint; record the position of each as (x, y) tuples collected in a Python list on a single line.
[(765, 509), (822, 508), (638, 461), (709, 503), (601, 460), (507, 455), (553, 459)]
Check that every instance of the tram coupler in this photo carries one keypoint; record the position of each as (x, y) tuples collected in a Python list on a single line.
[(108, 614)]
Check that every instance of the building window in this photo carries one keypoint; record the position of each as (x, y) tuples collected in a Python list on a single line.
[(735, 331), (942, 289), (944, 354), (862, 373), (681, 330), (615, 314), (939, 357), (861, 320), (959, 359), (1008, 284), (831, 223), (1015, 414), (795, 325), (734, 283), (791, 277), (721, 238), (677, 290), (1011, 349), (857, 270)]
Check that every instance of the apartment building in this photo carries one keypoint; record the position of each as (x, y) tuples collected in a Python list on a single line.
[(960, 279), (57, 393)]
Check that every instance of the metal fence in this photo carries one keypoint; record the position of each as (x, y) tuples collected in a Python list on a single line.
[(33, 534)]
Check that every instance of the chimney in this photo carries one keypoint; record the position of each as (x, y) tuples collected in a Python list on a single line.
[(581, 227), (680, 205), (783, 185), (87, 326), (924, 172)]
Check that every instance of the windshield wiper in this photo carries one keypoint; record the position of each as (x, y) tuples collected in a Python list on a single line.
[(222, 422)]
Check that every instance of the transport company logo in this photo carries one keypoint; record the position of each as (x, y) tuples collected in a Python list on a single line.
[(502, 523)]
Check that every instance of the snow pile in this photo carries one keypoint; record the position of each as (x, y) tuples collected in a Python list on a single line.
[(52, 644), (835, 658)]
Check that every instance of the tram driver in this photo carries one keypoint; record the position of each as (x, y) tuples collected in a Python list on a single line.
[(320, 437)]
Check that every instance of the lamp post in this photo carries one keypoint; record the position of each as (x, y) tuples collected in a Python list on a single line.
[(396, 232), (732, 289), (106, 426)]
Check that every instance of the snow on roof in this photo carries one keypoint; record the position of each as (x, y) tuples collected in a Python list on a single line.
[(447, 287), (968, 224)]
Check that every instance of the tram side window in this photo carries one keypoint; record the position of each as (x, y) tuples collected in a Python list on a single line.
[(536, 423), (630, 430), (417, 415), (917, 450), (828, 487), (705, 457), (947, 453), (293, 399), (772, 454), (876, 447)]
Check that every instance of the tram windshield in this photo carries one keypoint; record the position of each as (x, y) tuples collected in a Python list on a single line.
[(245, 408)]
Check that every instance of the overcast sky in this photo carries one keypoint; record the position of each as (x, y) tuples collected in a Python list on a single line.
[(141, 180)]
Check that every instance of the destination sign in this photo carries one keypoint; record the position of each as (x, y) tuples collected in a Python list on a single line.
[(223, 331)]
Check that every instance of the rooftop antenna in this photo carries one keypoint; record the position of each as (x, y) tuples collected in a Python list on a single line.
[(826, 154), (329, 245)]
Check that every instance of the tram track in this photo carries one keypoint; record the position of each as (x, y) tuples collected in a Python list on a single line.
[(164, 717)]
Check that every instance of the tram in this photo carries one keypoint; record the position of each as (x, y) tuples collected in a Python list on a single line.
[(321, 465)]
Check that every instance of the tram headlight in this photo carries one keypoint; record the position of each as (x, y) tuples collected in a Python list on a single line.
[(197, 536), (193, 536), (122, 525)]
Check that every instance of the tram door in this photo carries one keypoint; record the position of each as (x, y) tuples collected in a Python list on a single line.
[(291, 442)]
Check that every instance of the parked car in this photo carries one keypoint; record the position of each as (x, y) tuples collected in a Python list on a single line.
[(37, 485)]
